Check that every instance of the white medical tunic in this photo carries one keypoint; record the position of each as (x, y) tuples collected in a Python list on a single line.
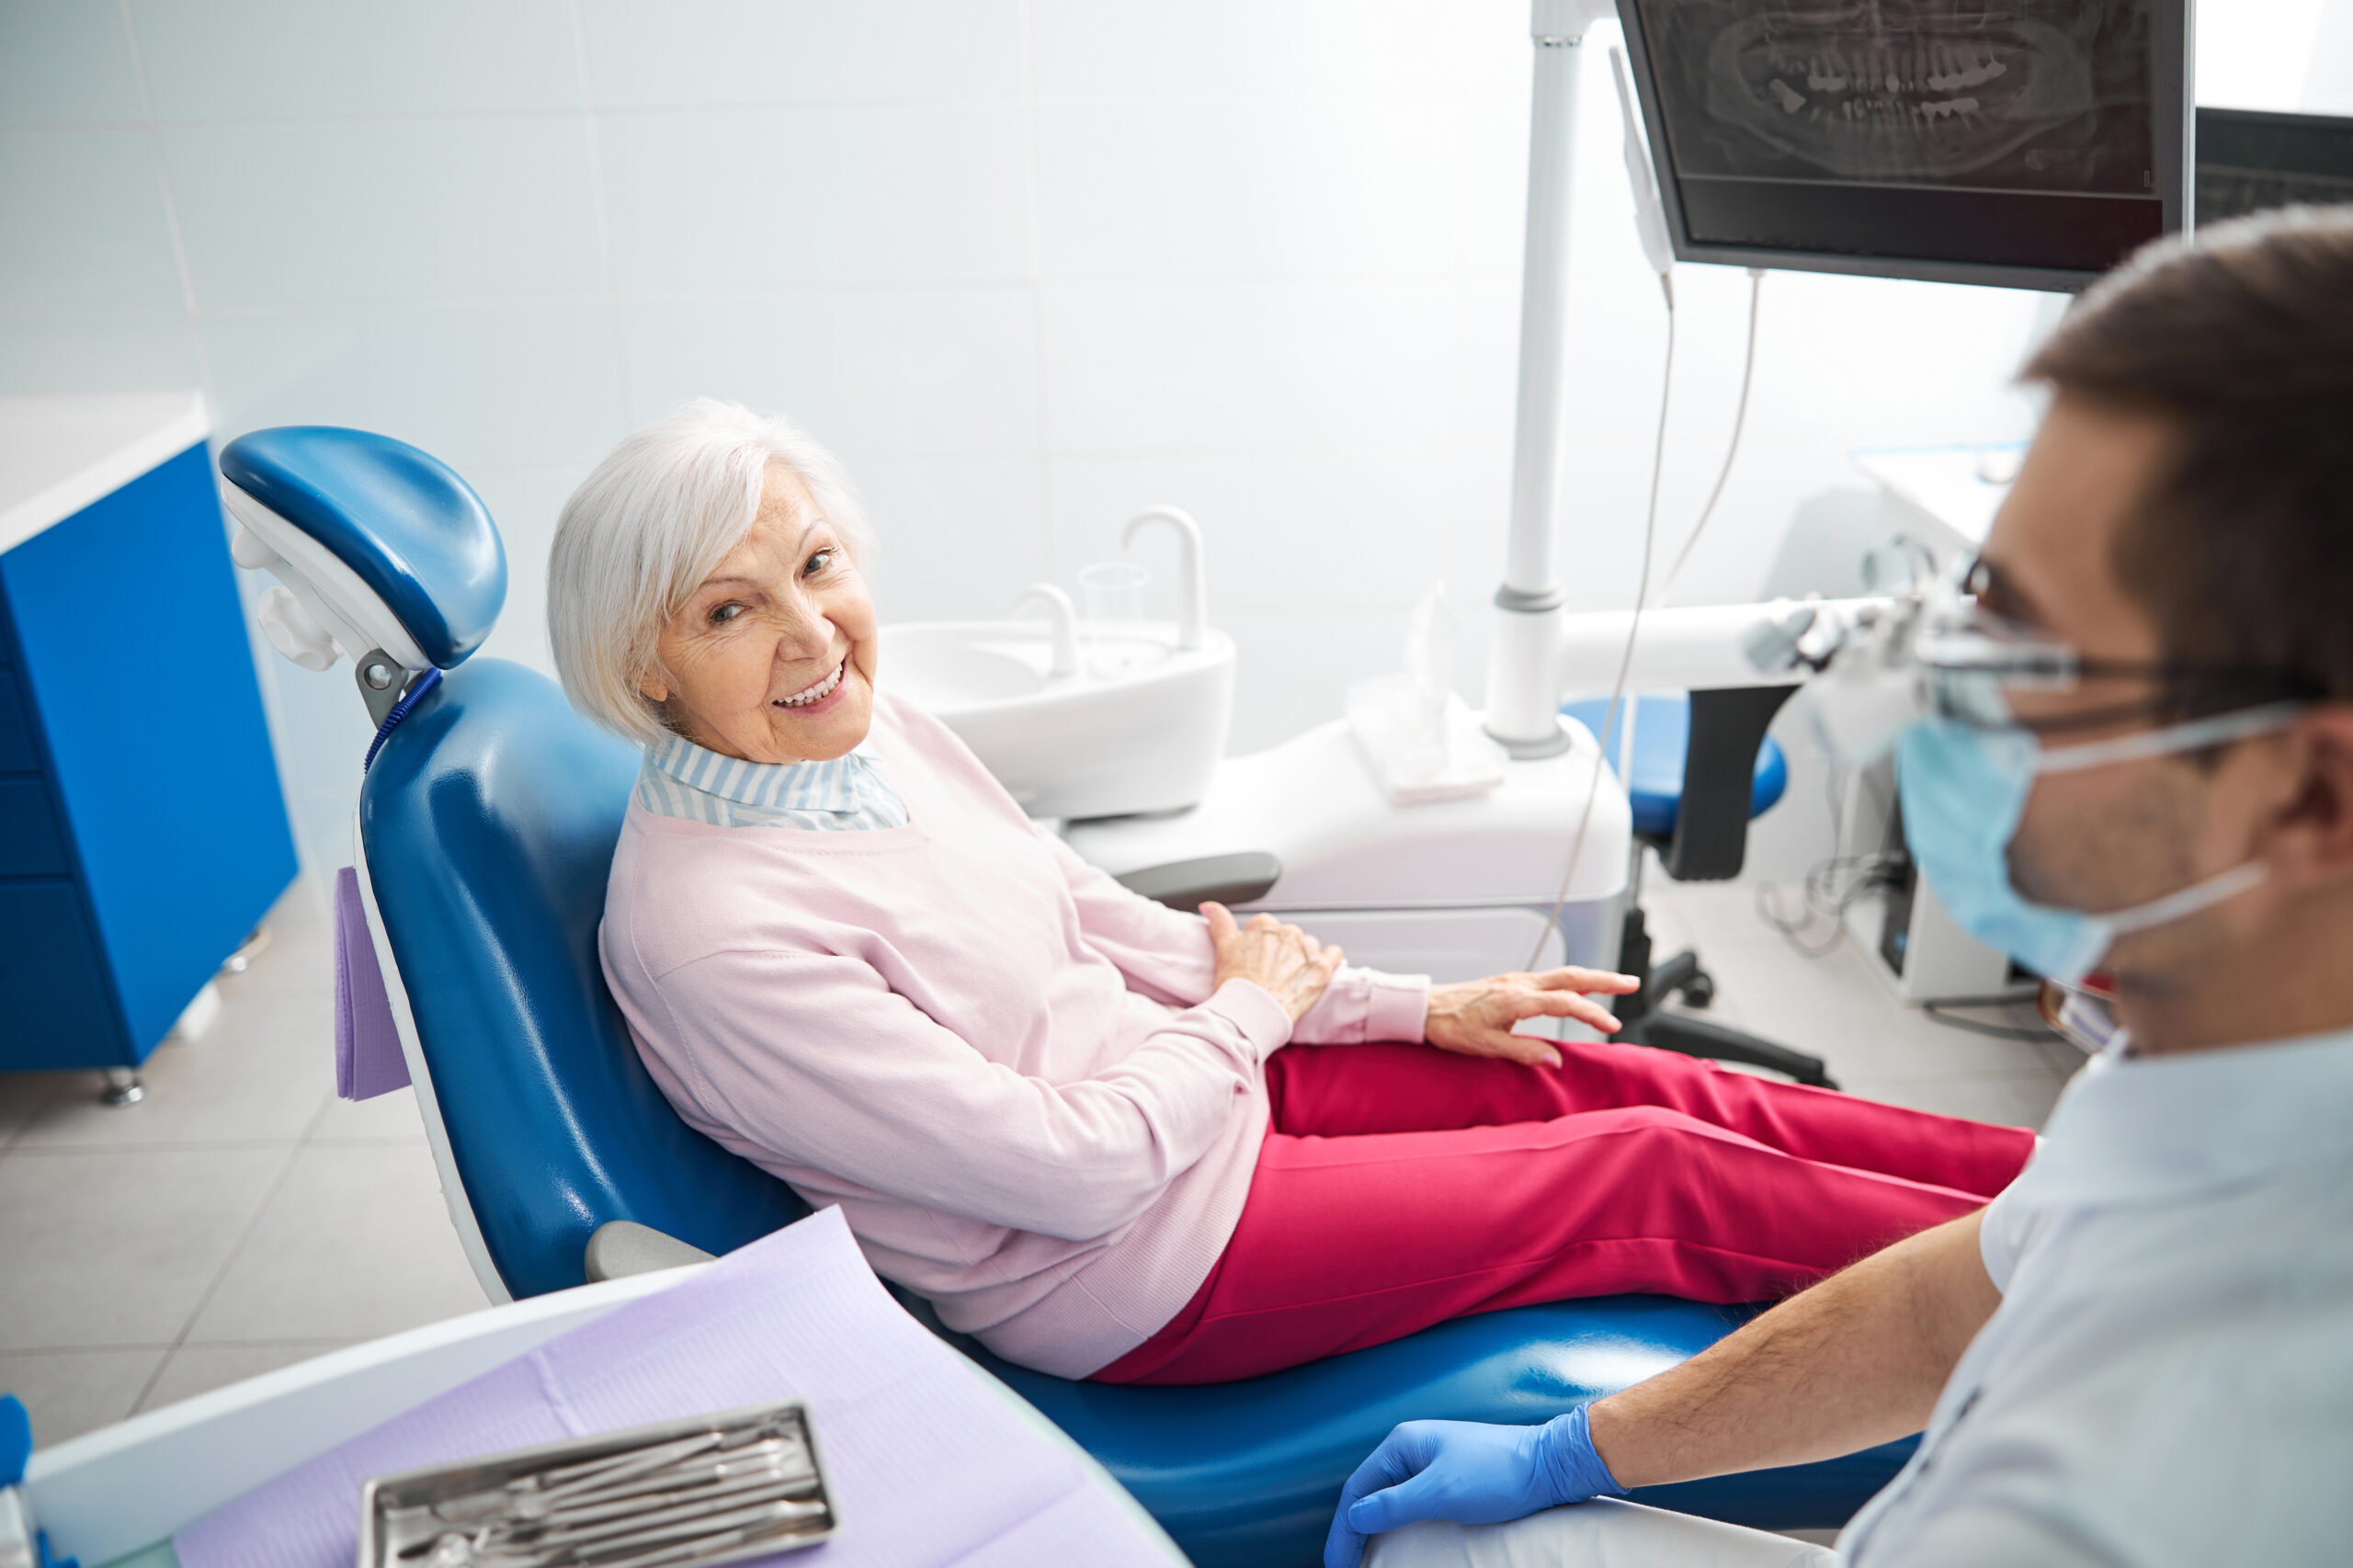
[(2169, 1378)]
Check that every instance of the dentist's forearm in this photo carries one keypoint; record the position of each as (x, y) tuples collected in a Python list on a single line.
[(1856, 1360)]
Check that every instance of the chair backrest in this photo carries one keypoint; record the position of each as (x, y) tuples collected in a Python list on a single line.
[(488, 822), (1720, 777)]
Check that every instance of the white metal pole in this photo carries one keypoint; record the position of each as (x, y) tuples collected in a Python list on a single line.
[(1522, 691)]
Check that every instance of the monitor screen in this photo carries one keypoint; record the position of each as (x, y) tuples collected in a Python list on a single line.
[(2248, 161), (2032, 142)]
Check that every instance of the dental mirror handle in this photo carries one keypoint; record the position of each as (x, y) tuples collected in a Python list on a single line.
[(1193, 604)]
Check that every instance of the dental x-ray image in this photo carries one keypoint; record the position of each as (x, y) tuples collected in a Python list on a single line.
[(1768, 107)]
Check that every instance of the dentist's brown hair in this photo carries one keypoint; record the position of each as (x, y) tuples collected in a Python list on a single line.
[(2240, 338)]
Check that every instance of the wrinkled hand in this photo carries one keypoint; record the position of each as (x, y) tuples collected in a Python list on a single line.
[(1474, 1017), (1290, 965), (1467, 1471)]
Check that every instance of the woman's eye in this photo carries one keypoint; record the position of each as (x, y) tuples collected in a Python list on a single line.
[(817, 563), (725, 613)]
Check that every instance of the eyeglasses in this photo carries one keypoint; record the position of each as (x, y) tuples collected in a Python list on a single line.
[(1972, 660)]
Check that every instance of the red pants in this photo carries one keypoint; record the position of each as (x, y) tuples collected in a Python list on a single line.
[(1400, 1186)]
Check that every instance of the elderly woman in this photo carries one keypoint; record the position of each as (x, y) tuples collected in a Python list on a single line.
[(1107, 1138)]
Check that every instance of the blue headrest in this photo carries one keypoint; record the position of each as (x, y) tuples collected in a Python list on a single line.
[(415, 532), (489, 820)]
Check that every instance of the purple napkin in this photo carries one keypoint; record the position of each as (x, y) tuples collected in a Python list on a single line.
[(368, 1059), (928, 1464)]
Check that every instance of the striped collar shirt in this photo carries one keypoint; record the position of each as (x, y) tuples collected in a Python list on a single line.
[(679, 779)]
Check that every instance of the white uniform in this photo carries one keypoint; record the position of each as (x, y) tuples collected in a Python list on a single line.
[(2169, 1378)]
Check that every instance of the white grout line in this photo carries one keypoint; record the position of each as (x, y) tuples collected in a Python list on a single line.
[(1033, 229), (602, 206), (237, 1250), (171, 202)]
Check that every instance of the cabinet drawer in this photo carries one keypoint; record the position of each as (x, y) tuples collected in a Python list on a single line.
[(52, 996), (30, 842), (16, 754)]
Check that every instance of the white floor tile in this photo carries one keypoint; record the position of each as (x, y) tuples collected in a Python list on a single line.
[(116, 1249), (259, 1074), (358, 1243), (1835, 1004), (192, 1369), (387, 1118), (68, 1393)]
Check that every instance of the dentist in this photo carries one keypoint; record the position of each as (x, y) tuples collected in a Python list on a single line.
[(2139, 1353)]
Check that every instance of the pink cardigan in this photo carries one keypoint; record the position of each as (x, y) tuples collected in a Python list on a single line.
[(1007, 1070)]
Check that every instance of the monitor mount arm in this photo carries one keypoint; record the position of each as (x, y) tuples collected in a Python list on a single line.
[(1523, 695)]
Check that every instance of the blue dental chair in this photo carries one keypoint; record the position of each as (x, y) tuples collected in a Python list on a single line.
[(486, 824), (1701, 767)]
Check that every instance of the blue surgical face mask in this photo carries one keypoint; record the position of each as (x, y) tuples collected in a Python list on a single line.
[(1963, 788)]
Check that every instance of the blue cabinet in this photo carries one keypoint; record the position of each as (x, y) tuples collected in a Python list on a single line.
[(143, 832)]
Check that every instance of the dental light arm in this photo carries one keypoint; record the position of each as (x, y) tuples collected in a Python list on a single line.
[(1697, 647), (1523, 701)]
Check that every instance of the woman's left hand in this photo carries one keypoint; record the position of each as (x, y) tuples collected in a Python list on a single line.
[(1474, 1017)]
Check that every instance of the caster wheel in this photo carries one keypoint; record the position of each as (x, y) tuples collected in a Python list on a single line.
[(1701, 992)]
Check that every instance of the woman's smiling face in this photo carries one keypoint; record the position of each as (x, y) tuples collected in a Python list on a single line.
[(771, 659)]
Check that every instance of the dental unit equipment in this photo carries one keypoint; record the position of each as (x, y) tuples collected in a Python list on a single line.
[(488, 822)]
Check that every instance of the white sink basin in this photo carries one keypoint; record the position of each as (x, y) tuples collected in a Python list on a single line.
[(1139, 728)]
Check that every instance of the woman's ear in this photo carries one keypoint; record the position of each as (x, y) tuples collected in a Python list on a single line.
[(653, 691)]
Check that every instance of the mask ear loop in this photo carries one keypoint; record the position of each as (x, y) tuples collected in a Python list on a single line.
[(2192, 735), (2220, 888)]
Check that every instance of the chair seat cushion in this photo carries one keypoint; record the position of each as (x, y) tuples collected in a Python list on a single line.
[(414, 531), (1661, 736), (1245, 1475)]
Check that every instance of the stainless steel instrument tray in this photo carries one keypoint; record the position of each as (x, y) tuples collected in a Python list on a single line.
[(537, 1496)]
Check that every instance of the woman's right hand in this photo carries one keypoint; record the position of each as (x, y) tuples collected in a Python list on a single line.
[(1283, 960)]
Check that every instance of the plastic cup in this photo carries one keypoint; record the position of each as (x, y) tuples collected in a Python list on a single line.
[(1113, 590)]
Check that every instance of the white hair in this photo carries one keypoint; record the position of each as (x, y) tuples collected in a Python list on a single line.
[(648, 525)]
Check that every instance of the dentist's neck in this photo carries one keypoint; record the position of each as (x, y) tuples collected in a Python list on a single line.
[(2288, 975)]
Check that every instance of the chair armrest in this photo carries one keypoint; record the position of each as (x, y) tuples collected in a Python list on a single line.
[(1187, 884), (623, 1247)]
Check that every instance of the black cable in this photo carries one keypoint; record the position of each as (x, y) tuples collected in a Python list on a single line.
[(1826, 899)]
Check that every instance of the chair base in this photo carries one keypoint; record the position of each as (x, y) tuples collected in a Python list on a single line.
[(1647, 1024), (1697, 1037)]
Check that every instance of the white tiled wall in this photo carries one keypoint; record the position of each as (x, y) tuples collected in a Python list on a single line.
[(1030, 265)]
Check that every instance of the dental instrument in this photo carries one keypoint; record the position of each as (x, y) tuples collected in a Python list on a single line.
[(725, 1486)]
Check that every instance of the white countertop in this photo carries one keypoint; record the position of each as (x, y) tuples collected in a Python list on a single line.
[(58, 454)]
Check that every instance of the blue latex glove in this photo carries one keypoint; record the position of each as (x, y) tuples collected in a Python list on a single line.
[(1468, 1472)]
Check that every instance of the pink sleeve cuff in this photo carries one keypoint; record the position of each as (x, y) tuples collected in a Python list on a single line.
[(1248, 1006), (1398, 1007)]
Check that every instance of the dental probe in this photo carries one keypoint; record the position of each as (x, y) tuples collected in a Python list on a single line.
[(747, 1518), (598, 1513), (658, 1508), (774, 1454), (529, 1495), (689, 1549)]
